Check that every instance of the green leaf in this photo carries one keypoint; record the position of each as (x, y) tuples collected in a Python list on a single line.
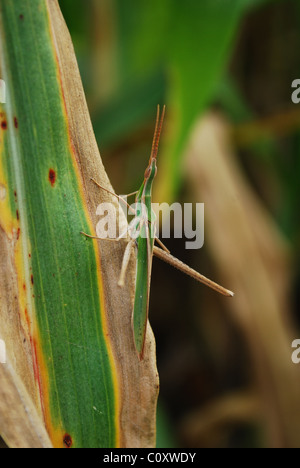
[(199, 47), (43, 210), (191, 41)]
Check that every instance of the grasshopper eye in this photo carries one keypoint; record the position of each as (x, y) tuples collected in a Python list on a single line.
[(147, 172)]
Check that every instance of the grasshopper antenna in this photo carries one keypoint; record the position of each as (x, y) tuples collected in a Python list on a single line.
[(157, 132)]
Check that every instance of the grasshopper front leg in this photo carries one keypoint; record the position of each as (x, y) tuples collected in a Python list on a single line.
[(125, 262)]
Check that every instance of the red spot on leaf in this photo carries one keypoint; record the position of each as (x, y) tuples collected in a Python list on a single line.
[(18, 233), (36, 367), (4, 125), (67, 441), (24, 286), (52, 177), (17, 214), (16, 123), (26, 316), (31, 279)]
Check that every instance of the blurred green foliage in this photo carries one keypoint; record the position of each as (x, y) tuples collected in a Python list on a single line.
[(166, 51), (176, 53)]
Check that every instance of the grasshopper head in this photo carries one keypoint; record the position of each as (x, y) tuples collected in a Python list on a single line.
[(151, 170)]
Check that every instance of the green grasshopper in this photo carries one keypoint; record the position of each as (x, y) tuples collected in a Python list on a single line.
[(144, 237)]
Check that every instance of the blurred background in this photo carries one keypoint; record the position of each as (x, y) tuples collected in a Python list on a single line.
[(231, 139)]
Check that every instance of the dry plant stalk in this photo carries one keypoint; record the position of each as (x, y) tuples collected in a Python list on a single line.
[(207, 426), (251, 254), (21, 426)]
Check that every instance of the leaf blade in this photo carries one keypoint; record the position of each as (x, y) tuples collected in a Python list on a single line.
[(74, 369)]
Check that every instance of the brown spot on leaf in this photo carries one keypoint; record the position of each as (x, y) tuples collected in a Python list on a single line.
[(4, 125), (31, 279), (67, 441), (52, 177), (16, 123), (26, 316)]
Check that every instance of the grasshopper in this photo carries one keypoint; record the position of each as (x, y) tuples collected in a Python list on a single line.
[(143, 237)]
